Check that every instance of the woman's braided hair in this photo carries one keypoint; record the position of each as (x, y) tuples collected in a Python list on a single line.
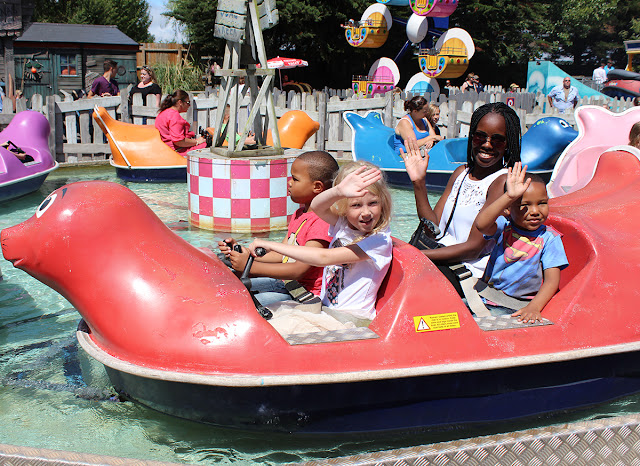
[(512, 128)]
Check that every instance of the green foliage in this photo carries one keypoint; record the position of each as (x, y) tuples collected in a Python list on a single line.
[(131, 16), (506, 31), (507, 35), (172, 77), (198, 19)]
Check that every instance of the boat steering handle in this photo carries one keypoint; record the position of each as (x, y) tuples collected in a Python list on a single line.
[(263, 311), (247, 268)]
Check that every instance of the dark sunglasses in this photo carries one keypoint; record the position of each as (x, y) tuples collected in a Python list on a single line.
[(188, 102), (498, 141)]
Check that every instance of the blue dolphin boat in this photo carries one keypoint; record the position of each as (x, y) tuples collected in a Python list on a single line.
[(372, 141)]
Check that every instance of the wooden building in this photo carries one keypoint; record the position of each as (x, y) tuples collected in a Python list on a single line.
[(14, 16), (50, 57)]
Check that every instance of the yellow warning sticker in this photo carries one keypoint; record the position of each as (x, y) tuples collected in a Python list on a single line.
[(436, 322)]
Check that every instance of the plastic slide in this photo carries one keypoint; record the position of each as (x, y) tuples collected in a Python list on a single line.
[(543, 76)]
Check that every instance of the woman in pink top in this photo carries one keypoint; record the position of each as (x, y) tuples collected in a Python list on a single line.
[(175, 130)]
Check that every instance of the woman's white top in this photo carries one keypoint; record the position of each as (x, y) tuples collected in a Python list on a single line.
[(473, 195)]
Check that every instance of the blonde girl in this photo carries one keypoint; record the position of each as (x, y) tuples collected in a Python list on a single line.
[(433, 116), (358, 210)]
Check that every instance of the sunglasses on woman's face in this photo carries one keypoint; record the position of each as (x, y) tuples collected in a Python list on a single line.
[(498, 141), (188, 102)]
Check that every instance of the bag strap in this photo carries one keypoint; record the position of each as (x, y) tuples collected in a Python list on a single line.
[(453, 210)]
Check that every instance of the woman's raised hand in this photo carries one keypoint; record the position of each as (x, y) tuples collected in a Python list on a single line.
[(516, 182), (415, 163), (355, 183), (410, 142)]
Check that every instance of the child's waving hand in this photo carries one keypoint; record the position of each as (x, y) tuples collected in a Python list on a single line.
[(516, 183), (355, 183)]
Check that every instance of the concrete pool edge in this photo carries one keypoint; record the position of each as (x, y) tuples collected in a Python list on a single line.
[(614, 440), (14, 455)]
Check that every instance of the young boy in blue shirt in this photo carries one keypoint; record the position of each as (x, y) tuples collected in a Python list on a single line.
[(528, 255)]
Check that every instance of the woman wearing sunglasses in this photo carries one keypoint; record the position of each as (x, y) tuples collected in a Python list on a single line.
[(147, 86), (413, 128), (493, 145), (174, 130)]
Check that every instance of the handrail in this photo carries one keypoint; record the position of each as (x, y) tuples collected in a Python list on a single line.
[(95, 112)]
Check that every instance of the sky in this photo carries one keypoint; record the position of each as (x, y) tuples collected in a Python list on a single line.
[(161, 28)]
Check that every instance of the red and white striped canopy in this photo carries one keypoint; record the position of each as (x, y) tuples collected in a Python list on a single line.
[(282, 63)]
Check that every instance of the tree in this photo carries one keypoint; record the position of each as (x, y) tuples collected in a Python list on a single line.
[(584, 32), (198, 19), (506, 31), (132, 17), (507, 35)]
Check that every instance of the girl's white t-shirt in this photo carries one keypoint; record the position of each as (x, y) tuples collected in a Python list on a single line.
[(353, 288)]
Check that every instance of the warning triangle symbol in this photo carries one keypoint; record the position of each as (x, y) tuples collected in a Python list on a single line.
[(423, 325)]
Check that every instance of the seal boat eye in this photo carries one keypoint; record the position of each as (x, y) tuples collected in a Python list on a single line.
[(42, 208), (564, 124)]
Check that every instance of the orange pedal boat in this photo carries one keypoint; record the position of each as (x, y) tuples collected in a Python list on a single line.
[(138, 153)]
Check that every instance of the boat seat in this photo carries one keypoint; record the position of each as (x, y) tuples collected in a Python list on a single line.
[(310, 323), (491, 323), (331, 336)]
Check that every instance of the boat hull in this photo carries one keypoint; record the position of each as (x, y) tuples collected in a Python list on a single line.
[(24, 186), (153, 175), (436, 181), (422, 402)]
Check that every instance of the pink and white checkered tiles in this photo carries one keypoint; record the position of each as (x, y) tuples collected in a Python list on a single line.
[(239, 195)]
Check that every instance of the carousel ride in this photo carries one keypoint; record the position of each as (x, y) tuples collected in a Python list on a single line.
[(442, 52)]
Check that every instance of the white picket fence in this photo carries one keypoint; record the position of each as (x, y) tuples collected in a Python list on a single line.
[(76, 139)]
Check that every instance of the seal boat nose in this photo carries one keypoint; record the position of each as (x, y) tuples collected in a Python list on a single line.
[(10, 248)]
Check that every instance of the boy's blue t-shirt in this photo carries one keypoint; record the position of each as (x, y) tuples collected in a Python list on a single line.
[(519, 257)]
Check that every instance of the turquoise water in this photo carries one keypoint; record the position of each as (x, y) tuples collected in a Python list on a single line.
[(54, 396)]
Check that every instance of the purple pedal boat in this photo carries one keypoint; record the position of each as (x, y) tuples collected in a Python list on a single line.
[(26, 136)]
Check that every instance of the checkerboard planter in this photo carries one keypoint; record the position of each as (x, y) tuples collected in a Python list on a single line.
[(239, 195)]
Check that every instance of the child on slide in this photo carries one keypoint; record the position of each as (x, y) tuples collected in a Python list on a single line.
[(528, 256), (361, 250)]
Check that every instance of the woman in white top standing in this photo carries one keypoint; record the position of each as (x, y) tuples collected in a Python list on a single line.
[(494, 143)]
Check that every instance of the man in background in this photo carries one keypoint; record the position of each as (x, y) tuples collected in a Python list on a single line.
[(106, 85), (564, 96)]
